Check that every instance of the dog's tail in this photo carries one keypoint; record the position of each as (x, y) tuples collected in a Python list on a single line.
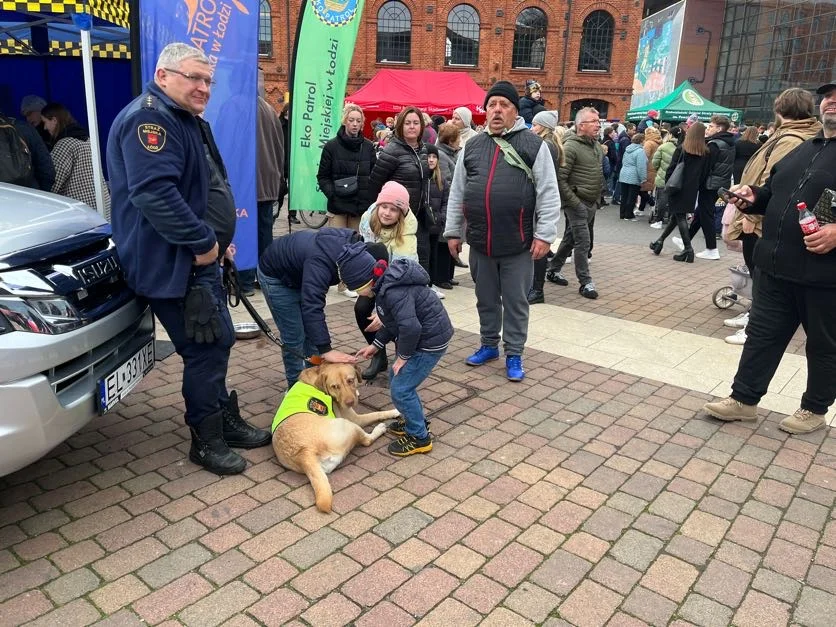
[(319, 481)]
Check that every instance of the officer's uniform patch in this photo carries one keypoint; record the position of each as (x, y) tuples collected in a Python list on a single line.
[(151, 136)]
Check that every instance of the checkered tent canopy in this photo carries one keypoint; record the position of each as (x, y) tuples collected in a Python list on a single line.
[(109, 34)]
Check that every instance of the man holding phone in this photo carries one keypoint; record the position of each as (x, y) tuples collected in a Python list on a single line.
[(795, 281)]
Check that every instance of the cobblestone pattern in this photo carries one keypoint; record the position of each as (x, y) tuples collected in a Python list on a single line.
[(579, 496)]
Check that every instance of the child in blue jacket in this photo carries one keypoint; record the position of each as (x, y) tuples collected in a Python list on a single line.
[(413, 316)]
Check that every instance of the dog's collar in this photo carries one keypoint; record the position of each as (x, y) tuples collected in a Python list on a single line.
[(304, 398)]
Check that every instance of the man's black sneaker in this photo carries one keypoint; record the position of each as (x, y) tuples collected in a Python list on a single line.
[(410, 445), (398, 427), (553, 276), (588, 291), (535, 297)]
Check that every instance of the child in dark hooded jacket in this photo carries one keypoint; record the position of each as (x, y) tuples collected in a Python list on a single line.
[(413, 316)]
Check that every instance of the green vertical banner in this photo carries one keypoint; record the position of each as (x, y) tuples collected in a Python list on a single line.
[(325, 41)]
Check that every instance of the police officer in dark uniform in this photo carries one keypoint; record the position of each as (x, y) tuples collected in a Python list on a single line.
[(173, 217)]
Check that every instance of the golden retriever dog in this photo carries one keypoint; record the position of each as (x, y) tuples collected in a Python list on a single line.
[(315, 444)]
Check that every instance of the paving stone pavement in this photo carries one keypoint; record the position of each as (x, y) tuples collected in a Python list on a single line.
[(580, 496)]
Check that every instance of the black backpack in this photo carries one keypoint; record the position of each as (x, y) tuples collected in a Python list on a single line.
[(15, 156)]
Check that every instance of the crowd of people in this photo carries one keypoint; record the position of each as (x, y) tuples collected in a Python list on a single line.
[(400, 208)]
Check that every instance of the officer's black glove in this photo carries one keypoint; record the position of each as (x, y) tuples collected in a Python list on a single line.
[(203, 321)]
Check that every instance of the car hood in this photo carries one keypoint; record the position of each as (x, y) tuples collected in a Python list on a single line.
[(30, 218)]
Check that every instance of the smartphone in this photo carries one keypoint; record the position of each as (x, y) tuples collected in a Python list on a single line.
[(729, 195)]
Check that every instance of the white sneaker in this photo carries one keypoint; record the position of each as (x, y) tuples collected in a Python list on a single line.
[(636, 212), (738, 338), (738, 322), (347, 293), (657, 225), (568, 259), (438, 292), (709, 253), (677, 241)]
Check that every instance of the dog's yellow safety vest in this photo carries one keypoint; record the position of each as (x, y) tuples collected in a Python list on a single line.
[(300, 398)]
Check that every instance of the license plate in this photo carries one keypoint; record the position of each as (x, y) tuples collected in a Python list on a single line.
[(116, 386)]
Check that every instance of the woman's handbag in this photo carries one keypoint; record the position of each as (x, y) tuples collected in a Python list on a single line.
[(347, 186), (674, 183)]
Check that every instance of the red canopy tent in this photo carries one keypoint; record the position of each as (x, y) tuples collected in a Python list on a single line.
[(389, 91)]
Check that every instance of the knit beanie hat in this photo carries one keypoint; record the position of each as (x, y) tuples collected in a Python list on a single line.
[(692, 118), (356, 266), (432, 149), (506, 90), (465, 115), (31, 103), (396, 194), (546, 118), (653, 113)]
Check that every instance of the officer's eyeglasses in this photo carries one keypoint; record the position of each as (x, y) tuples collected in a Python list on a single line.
[(206, 80)]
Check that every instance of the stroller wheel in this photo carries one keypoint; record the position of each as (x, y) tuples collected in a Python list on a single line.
[(724, 297)]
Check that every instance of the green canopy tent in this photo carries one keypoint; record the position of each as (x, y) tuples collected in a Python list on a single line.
[(681, 103)]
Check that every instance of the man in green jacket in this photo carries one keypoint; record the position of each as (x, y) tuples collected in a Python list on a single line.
[(580, 181)]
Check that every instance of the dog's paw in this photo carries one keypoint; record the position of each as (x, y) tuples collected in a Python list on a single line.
[(392, 413), (379, 430)]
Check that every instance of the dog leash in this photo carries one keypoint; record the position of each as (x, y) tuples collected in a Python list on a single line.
[(235, 296)]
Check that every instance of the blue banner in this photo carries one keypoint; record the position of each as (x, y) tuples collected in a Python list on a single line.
[(227, 32)]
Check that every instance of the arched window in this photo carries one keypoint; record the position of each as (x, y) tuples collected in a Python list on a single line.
[(462, 46), (596, 43), (602, 106), (265, 30), (530, 39), (394, 33)]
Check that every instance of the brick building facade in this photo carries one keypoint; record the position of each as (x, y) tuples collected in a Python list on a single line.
[(602, 37)]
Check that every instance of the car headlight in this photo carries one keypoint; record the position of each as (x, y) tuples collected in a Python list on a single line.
[(40, 315)]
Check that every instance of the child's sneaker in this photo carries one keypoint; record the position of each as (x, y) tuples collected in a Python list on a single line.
[(410, 445), (398, 427)]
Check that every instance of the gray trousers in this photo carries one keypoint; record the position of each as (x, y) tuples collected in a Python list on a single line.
[(502, 298), (578, 221)]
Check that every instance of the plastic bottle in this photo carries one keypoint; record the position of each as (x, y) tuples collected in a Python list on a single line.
[(806, 220)]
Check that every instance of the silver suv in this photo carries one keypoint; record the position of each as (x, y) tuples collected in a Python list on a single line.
[(73, 338)]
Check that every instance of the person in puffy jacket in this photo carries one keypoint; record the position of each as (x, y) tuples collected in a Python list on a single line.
[(404, 160), (652, 142), (633, 174), (661, 160), (441, 262), (348, 155), (390, 223), (295, 273), (532, 102), (412, 316)]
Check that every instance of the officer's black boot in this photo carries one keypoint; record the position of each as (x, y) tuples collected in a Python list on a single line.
[(237, 433), (209, 449), (380, 362)]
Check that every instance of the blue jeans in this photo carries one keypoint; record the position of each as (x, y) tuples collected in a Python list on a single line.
[(285, 305), (404, 390)]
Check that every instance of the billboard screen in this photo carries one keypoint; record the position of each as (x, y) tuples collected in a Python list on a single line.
[(655, 74)]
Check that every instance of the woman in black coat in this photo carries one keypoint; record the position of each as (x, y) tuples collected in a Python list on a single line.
[(347, 157), (694, 152), (745, 147), (404, 160)]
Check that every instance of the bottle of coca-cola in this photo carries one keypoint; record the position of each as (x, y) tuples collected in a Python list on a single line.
[(806, 220)]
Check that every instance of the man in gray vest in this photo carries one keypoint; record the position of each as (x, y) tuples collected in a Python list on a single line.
[(505, 178)]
